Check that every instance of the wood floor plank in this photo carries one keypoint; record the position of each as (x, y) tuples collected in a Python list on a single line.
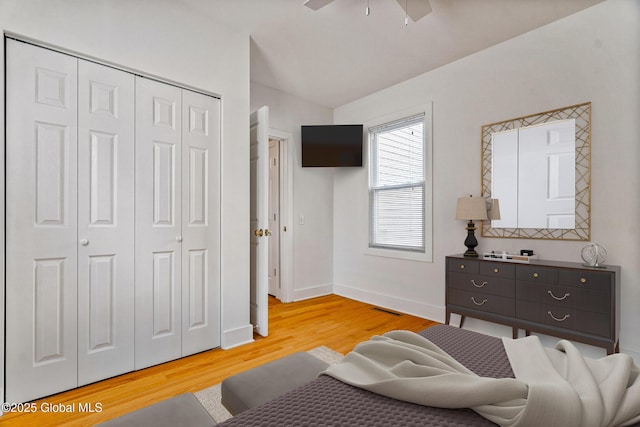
[(336, 322)]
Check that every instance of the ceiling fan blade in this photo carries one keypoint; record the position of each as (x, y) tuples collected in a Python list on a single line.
[(416, 9), (316, 4)]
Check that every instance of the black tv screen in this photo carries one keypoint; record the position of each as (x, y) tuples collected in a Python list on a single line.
[(332, 145)]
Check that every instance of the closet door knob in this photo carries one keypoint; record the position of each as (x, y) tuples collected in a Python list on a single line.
[(84, 242), (179, 238)]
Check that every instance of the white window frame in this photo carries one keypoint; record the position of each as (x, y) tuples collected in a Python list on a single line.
[(427, 255)]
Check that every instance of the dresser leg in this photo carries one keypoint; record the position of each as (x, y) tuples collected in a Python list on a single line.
[(527, 333), (514, 333), (461, 321), (447, 317), (614, 349)]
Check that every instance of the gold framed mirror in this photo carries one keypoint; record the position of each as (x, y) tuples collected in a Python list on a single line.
[(546, 129)]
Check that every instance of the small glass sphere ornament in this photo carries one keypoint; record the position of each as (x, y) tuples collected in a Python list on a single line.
[(594, 255)]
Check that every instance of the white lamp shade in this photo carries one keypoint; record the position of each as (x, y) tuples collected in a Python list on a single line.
[(471, 208)]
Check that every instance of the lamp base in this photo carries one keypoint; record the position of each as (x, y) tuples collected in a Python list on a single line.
[(471, 242)]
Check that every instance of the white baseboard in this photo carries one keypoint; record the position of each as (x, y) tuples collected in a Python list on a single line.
[(237, 337), (312, 292), (418, 309)]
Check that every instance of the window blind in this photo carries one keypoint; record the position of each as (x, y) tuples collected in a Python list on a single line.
[(397, 185)]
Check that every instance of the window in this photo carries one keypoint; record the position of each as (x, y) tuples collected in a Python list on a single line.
[(397, 196)]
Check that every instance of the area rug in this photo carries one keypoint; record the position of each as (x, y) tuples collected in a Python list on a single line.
[(210, 397)]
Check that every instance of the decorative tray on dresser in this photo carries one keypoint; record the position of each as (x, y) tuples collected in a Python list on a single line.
[(562, 299)]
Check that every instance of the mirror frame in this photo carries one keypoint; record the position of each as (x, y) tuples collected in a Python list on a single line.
[(582, 231)]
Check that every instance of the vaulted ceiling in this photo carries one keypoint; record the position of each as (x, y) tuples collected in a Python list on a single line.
[(337, 54)]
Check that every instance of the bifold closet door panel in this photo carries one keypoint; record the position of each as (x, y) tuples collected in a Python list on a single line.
[(105, 222), (200, 222), (41, 222), (158, 219)]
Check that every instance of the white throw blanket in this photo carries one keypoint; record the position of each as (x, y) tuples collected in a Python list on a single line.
[(553, 387)]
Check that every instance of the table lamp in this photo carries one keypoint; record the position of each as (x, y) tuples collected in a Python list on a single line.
[(471, 209)]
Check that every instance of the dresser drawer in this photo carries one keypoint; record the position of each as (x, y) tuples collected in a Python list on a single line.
[(495, 269), (483, 284), (480, 301), (532, 273), (463, 265), (568, 318), (586, 279), (564, 296)]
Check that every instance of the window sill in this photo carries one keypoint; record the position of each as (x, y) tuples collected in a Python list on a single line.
[(398, 254)]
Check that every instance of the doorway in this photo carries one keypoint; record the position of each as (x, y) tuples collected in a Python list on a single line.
[(281, 247), (274, 217)]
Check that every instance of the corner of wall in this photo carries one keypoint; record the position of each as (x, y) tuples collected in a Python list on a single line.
[(2, 218)]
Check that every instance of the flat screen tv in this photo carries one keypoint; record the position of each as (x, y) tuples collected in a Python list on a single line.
[(332, 145)]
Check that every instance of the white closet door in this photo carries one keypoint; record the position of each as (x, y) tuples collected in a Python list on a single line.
[(200, 222), (105, 222), (158, 223), (41, 221)]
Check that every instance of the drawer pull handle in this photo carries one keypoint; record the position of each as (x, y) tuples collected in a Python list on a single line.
[(476, 285), (461, 266), (566, 316), (478, 303), (536, 275), (496, 270), (559, 298), (583, 280)]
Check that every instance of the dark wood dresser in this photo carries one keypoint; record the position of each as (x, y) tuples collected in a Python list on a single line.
[(562, 299)]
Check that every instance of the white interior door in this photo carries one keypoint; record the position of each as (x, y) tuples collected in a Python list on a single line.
[(41, 222), (259, 152), (105, 222), (158, 222), (200, 222)]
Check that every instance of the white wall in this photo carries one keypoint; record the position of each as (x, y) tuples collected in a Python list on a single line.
[(312, 193), (589, 56), (163, 38)]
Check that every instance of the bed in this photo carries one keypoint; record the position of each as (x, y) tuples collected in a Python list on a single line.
[(327, 401)]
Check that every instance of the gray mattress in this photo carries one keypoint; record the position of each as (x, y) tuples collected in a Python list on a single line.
[(329, 402)]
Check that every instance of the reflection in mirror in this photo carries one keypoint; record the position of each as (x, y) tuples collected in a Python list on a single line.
[(538, 167), (533, 175)]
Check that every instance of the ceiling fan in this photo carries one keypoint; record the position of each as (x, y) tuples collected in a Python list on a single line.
[(414, 9)]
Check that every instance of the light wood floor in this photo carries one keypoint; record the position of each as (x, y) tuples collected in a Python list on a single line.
[(333, 321)]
